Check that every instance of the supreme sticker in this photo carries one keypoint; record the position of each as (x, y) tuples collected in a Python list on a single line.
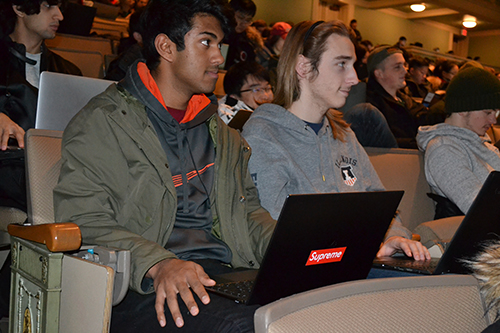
[(318, 257)]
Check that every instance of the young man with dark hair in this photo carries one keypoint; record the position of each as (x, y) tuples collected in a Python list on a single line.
[(247, 86), (25, 24), (240, 47), (149, 167), (416, 78), (354, 26)]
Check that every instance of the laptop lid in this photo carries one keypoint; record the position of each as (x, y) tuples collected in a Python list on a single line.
[(322, 239), (479, 226), (61, 96)]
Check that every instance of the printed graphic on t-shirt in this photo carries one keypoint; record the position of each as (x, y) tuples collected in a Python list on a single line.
[(348, 175)]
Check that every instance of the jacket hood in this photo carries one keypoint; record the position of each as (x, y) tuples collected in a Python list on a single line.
[(427, 133), (142, 86), (281, 117)]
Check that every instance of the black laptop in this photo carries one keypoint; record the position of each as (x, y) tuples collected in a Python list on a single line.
[(320, 239), (479, 226), (239, 119)]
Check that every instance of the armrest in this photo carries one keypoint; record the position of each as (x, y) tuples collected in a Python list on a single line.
[(58, 237)]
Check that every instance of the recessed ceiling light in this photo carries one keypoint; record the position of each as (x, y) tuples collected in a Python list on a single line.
[(469, 21), (418, 7)]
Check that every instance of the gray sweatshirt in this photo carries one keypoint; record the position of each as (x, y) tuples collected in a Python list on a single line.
[(457, 161), (288, 157)]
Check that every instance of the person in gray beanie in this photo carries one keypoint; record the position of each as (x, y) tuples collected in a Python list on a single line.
[(459, 154)]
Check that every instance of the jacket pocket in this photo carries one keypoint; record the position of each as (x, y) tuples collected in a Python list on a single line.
[(143, 205)]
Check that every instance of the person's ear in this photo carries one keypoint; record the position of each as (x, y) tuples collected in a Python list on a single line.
[(138, 37), (17, 10), (303, 66), (378, 73), (165, 47)]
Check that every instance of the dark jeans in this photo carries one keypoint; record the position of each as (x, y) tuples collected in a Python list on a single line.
[(13, 184), (370, 126), (136, 313)]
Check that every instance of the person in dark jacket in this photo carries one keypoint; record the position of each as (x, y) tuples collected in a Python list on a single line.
[(386, 67), (25, 26), (240, 46)]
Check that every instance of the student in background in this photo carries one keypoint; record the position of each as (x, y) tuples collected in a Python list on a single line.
[(300, 144), (25, 24), (247, 86), (458, 153)]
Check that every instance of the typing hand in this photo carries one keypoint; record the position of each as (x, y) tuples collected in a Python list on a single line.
[(172, 277), (9, 129), (409, 247)]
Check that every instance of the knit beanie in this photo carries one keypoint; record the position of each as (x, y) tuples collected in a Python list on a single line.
[(378, 55), (472, 89)]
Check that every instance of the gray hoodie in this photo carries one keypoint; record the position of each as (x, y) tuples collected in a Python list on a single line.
[(457, 161), (289, 158)]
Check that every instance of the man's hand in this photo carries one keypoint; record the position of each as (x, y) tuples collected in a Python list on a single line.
[(409, 247), (9, 129), (172, 277)]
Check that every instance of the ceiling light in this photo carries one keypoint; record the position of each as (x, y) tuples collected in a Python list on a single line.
[(469, 21), (418, 7)]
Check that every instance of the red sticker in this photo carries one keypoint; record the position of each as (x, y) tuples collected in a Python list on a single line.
[(325, 256)]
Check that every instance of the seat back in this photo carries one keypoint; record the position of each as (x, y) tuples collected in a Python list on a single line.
[(91, 63), (448, 303), (80, 43), (403, 169), (43, 164)]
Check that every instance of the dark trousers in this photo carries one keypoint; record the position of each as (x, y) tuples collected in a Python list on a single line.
[(136, 313), (13, 184)]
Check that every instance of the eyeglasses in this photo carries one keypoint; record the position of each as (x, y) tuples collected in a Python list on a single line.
[(257, 90)]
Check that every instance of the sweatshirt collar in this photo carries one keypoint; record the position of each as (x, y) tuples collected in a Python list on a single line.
[(196, 104)]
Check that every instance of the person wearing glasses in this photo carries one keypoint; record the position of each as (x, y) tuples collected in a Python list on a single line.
[(300, 144), (458, 152), (247, 86)]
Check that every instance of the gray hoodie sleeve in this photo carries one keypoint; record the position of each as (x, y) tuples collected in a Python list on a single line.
[(449, 174), (267, 167)]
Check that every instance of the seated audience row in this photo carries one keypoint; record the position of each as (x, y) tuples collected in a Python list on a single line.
[(147, 166)]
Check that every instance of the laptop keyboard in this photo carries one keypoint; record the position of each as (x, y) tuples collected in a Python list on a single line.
[(239, 291)]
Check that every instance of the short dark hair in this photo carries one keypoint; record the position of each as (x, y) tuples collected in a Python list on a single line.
[(174, 18), (247, 7), (29, 7), (402, 38), (353, 21), (417, 62), (237, 75)]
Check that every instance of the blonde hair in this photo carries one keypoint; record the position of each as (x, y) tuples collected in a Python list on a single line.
[(309, 41)]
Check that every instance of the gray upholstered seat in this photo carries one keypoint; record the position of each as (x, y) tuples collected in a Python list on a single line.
[(448, 303)]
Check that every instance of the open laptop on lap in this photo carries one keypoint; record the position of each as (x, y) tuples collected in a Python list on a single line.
[(320, 239), (61, 96), (480, 225)]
